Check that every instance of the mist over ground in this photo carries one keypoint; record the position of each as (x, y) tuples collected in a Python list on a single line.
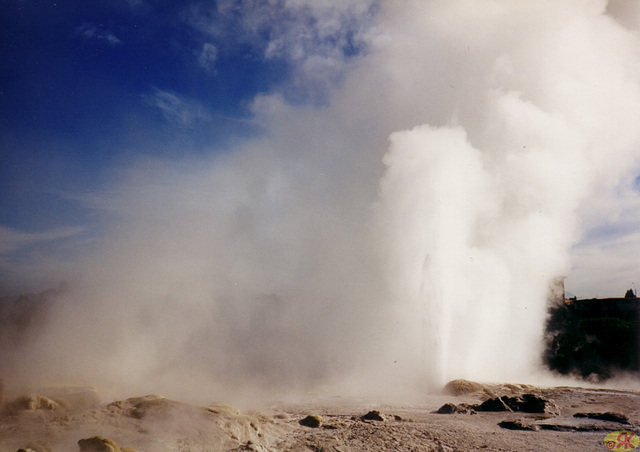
[(402, 232)]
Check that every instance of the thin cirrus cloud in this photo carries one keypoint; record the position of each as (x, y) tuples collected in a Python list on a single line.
[(13, 239), (207, 57), (28, 253), (177, 109), (91, 31)]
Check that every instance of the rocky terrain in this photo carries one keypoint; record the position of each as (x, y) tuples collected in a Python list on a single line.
[(465, 416)]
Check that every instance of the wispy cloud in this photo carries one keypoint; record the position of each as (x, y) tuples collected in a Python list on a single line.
[(13, 239), (207, 57), (176, 109), (91, 31), (134, 3)]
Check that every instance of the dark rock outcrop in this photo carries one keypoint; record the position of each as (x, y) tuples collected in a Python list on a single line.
[(313, 421), (451, 408), (518, 424), (526, 403), (373, 415), (608, 416)]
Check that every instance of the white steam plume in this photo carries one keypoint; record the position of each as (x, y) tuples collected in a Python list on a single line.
[(411, 227), (482, 211)]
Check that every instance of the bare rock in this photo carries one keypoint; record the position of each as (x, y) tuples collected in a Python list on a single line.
[(531, 403), (564, 427), (526, 403), (98, 444), (608, 416), (448, 408), (463, 387), (452, 408), (495, 404), (518, 424), (313, 421), (471, 388), (223, 408), (74, 397), (373, 415), (35, 447), (139, 407), (32, 402)]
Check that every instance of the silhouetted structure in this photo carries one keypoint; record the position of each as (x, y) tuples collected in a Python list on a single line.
[(593, 338)]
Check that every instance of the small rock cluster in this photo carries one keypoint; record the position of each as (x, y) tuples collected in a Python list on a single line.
[(526, 403), (531, 404), (315, 421)]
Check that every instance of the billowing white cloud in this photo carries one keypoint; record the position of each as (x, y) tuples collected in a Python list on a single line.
[(316, 38), (627, 12)]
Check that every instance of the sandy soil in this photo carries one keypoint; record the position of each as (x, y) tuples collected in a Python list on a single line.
[(56, 419)]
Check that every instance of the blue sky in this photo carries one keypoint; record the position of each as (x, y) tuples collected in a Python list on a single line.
[(89, 87), (86, 85)]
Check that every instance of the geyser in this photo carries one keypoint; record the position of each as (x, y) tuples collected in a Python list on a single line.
[(481, 206), (410, 225)]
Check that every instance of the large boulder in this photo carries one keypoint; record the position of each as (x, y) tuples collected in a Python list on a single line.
[(98, 444), (101, 444)]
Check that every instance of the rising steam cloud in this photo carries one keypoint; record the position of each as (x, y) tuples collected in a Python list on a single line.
[(408, 229)]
